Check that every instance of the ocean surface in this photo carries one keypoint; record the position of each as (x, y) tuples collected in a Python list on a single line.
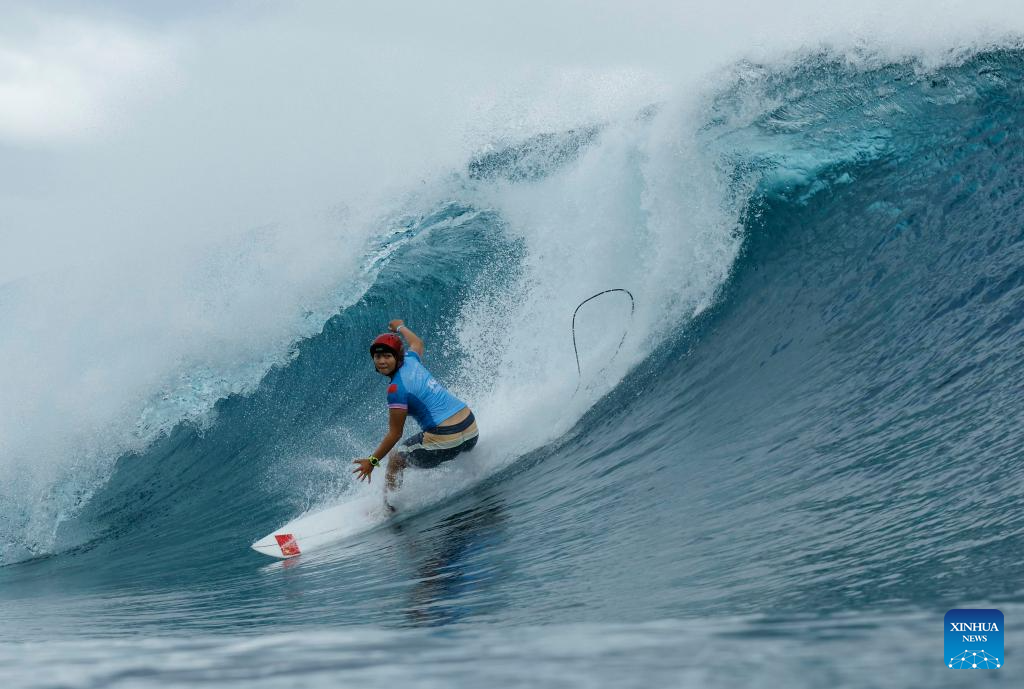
[(805, 450)]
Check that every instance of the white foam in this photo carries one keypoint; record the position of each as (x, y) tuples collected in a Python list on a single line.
[(641, 210)]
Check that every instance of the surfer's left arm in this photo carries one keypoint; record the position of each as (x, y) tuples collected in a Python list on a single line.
[(396, 423), (415, 343)]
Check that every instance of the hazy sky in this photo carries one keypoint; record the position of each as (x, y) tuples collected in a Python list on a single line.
[(122, 119)]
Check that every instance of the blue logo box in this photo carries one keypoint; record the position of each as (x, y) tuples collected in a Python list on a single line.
[(973, 639)]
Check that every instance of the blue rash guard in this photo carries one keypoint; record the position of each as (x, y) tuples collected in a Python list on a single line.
[(414, 389)]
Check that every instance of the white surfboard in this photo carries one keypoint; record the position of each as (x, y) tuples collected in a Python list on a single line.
[(313, 531)]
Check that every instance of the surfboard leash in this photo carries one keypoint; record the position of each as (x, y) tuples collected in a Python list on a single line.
[(632, 310)]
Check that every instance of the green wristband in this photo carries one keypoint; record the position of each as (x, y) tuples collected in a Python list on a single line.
[(374, 461)]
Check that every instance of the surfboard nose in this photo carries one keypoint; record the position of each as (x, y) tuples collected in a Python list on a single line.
[(280, 545)]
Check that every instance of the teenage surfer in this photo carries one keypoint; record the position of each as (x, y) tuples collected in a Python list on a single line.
[(447, 423)]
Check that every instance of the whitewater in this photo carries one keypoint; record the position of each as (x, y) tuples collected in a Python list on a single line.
[(798, 451)]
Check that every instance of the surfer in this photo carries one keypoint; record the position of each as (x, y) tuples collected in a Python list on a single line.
[(448, 427)]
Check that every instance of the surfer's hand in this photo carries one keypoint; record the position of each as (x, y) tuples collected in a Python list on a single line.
[(364, 470), (394, 325)]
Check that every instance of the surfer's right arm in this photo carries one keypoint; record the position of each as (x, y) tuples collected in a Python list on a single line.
[(396, 422), (415, 343)]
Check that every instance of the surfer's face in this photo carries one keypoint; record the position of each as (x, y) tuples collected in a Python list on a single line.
[(384, 362)]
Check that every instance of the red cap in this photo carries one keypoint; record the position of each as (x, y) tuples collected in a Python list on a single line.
[(388, 342)]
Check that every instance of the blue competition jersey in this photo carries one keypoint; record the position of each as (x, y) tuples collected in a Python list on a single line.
[(413, 388)]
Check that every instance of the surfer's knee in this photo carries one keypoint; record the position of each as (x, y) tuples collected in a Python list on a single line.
[(396, 461)]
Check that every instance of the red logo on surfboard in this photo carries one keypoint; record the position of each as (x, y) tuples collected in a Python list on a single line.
[(289, 546)]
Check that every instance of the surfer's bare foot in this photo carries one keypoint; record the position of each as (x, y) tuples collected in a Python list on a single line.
[(390, 508)]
